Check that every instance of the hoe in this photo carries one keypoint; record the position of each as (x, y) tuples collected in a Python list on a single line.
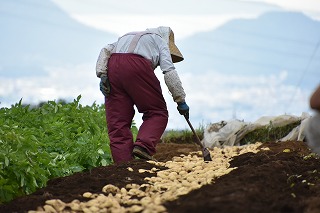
[(205, 151)]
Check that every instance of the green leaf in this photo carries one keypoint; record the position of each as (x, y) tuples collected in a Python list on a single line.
[(6, 161), (34, 181), (100, 151), (56, 108), (22, 182), (104, 162)]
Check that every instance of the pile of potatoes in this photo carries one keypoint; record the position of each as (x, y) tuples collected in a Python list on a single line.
[(184, 174)]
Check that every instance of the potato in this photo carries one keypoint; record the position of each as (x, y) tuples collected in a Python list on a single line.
[(135, 208), (49, 209), (94, 209), (57, 204), (110, 189), (74, 206), (87, 194)]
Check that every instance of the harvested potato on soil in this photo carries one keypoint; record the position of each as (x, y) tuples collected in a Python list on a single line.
[(183, 174)]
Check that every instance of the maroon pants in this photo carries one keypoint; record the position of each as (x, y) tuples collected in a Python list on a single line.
[(133, 82)]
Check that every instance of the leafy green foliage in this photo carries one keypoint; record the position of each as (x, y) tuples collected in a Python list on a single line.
[(134, 130), (268, 133), (182, 136), (52, 140)]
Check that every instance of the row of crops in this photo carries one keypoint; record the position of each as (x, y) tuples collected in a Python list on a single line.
[(52, 140)]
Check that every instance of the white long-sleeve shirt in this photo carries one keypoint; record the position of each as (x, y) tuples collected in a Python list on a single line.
[(152, 47)]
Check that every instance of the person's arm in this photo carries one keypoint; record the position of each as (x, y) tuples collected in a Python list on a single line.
[(102, 62), (171, 76), (315, 99), (174, 85), (102, 68), (172, 79)]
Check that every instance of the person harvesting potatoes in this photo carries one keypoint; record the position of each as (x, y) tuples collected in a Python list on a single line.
[(126, 69)]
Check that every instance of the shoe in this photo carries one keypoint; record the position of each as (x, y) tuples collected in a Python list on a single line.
[(141, 153)]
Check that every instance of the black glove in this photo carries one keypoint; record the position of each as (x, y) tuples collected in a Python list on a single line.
[(105, 87), (183, 109)]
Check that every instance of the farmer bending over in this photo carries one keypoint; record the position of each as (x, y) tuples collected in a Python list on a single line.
[(126, 69)]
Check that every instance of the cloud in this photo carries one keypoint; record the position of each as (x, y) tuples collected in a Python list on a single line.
[(309, 7), (182, 25), (212, 96), (166, 7), (60, 83), (191, 17)]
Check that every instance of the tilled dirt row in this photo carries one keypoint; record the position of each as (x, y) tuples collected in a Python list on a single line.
[(281, 178), (285, 178)]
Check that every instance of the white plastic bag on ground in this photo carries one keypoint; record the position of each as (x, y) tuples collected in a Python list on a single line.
[(298, 133), (226, 135), (277, 121), (230, 133)]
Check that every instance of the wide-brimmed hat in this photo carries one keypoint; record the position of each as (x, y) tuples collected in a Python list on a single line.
[(168, 36), (174, 51)]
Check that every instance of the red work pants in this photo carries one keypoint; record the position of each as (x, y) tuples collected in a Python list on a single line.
[(133, 82)]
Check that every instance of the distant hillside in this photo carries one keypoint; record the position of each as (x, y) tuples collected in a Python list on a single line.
[(273, 42), (37, 33)]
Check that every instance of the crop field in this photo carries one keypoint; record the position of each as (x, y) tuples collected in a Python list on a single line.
[(56, 158)]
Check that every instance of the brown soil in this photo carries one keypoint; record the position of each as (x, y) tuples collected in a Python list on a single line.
[(269, 181)]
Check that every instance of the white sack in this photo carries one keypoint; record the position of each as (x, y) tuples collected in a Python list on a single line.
[(230, 133)]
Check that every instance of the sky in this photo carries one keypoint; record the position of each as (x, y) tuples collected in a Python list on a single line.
[(185, 17)]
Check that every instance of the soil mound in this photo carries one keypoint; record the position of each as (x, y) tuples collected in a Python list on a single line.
[(283, 178)]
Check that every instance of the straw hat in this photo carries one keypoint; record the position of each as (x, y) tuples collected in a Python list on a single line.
[(175, 52), (167, 35)]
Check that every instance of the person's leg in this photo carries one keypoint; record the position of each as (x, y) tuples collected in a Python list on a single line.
[(145, 91), (119, 115)]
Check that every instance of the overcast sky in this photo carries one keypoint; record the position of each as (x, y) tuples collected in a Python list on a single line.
[(185, 17)]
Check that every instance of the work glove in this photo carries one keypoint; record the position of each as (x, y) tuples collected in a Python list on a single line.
[(183, 109), (105, 87)]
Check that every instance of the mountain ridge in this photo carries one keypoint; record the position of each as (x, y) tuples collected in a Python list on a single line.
[(37, 34), (269, 44)]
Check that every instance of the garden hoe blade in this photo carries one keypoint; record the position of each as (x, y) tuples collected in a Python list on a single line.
[(205, 151)]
